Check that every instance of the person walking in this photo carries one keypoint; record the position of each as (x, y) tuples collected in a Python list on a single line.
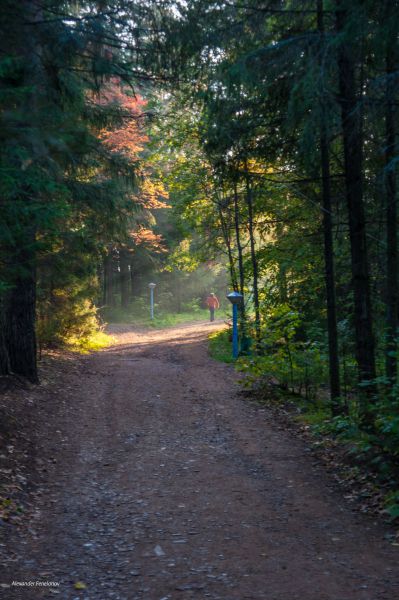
[(212, 303)]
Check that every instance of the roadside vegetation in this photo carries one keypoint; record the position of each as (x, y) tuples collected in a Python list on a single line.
[(364, 463), (138, 314)]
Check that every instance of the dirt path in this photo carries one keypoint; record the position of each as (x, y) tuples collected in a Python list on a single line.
[(158, 482)]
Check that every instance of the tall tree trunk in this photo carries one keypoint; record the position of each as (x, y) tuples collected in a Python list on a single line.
[(353, 159), (20, 303), (109, 295), (282, 282), (5, 367), (245, 339), (329, 273), (124, 261), (132, 287), (392, 287), (254, 261), (241, 273), (20, 334), (178, 302), (227, 240), (335, 387)]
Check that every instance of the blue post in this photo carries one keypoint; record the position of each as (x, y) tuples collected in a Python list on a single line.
[(235, 331), (235, 298)]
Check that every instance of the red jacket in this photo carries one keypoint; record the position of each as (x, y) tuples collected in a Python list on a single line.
[(212, 302)]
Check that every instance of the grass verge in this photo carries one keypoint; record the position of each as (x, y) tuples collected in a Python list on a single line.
[(136, 316), (220, 346)]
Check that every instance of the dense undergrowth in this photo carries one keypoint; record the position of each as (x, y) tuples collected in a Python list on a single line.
[(70, 321), (296, 378)]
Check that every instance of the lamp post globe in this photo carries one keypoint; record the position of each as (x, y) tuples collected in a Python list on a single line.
[(234, 297)]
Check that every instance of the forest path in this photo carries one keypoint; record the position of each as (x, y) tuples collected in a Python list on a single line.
[(162, 483)]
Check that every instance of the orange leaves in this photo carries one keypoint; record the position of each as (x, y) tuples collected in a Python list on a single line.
[(146, 237), (129, 138)]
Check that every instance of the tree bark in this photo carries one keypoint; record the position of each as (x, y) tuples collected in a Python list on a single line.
[(132, 287), (329, 272), (178, 302), (241, 273), (227, 239), (254, 261), (353, 160), (109, 295), (20, 318), (392, 287), (5, 367), (124, 261), (19, 336)]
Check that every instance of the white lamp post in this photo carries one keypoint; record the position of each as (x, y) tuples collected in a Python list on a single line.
[(152, 286)]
